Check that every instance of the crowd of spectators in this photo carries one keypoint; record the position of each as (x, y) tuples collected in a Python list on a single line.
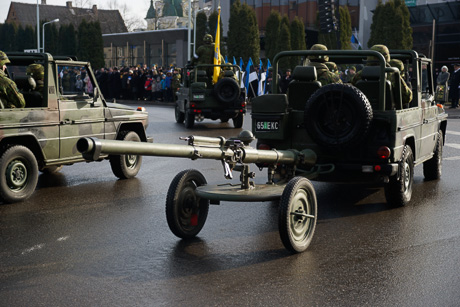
[(136, 83)]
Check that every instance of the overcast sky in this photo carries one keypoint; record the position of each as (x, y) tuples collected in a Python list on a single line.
[(137, 11)]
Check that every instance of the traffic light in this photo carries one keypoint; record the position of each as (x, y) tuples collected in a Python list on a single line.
[(327, 19)]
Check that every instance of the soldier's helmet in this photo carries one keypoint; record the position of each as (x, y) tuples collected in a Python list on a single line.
[(207, 38), (3, 58), (37, 71), (398, 64), (331, 66), (383, 50), (319, 58)]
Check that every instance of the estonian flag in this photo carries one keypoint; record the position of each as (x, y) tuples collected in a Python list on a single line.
[(251, 74)]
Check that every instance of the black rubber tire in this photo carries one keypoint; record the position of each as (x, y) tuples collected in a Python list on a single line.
[(238, 120), (227, 90), (189, 120), (126, 166), (338, 115), (180, 116), (296, 230), (432, 169), (398, 191), (185, 212), (19, 170), (51, 169)]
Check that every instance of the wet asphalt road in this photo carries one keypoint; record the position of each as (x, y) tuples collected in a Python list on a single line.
[(87, 239)]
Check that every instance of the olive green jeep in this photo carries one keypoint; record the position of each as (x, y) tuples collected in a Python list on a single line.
[(198, 98), (363, 133), (43, 135)]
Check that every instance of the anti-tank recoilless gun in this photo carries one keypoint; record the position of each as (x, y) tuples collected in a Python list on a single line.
[(189, 195)]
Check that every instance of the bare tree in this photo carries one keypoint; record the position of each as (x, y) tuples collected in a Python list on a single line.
[(132, 22)]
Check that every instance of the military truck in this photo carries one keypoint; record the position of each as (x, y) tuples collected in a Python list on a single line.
[(43, 135), (198, 98), (365, 133)]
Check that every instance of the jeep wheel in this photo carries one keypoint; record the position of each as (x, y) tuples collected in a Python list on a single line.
[(227, 90), (189, 120), (432, 168), (398, 191), (238, 120), (297, 214), (126, 166), (186, 213), (337, 115), (180, 117), (19, 174)]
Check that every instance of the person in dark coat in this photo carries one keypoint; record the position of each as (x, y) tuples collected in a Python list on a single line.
[(454, 85)]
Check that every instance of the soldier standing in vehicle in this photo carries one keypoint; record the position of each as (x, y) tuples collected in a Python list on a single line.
[(36, 76), (9, 93), (323, 74), (406, 93)]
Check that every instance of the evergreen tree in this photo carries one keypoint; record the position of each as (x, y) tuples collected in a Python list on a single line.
[(8, 37), (345, 28), (212, 22), (20, 35), (272, 34), (51, 38), (391, 25), (201, 28), (97, 46), (84, 41), (67, 40), (29, 38), (297, 39), (285, 44), (243, 36)]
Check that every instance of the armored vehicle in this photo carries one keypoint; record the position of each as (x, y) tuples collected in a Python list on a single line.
[(366, 132), (198, 98), (43, 135)]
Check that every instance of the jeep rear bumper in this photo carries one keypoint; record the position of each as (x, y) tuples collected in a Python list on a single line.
[(360, 173)]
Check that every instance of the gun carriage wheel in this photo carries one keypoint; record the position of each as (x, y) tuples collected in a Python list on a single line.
[(186, 212)]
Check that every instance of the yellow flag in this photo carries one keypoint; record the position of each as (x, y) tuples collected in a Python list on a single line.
[(217, 55)]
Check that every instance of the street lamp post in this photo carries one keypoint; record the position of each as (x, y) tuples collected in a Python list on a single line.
[(38, 28), (189, 29), (43, 30)]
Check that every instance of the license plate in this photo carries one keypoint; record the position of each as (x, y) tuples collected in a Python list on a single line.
[(198, 96), (270, 125)]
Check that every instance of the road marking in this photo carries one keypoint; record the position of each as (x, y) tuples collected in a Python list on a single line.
[(63, 238), (453, 132), (456, 146), (33, 248)]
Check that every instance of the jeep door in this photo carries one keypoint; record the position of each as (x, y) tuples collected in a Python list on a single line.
[(430, 124), (79, 114)]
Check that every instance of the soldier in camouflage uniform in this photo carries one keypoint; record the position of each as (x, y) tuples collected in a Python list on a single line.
[(205, 54), (36, 75), (406, 93), (175, 83), (9, 93), (322, 72)]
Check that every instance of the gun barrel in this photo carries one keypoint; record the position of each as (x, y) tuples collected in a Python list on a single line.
[(92, 148)]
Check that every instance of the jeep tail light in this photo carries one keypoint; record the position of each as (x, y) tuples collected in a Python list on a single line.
[(192, 105), (142, 109), (377, 168), (263, 147), (383, 152)]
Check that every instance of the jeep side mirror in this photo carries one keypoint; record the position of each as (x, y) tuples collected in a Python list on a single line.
[(96, 95)]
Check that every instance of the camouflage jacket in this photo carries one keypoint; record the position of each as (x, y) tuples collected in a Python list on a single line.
[(406, 93), (323, 74), (9, 93), (204, 55), (175, 82)]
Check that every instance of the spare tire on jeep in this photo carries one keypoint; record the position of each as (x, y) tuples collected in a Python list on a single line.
[(227, 90), (337, 115)]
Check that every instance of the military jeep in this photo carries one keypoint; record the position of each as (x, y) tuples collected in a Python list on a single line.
[(363, 133), (43, 135), (198, 98)]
